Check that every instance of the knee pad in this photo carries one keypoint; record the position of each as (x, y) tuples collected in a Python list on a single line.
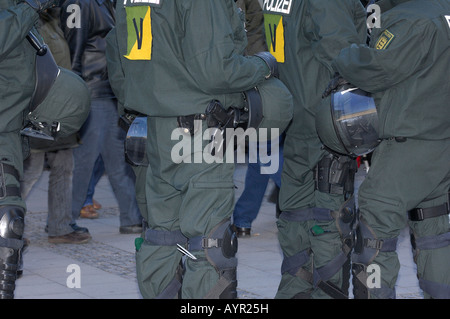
[(11, 232), (367, 247), (220, 248)]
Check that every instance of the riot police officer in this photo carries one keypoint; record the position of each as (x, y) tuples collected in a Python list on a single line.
[(405, 67), (316, 184), (27, 96), (17, 85), (179, 63)]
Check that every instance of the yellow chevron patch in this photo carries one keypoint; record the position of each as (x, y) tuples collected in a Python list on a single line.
[(139, 30)]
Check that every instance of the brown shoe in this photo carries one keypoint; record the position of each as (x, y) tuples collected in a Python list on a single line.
[(71, 238), (96, 205), (88, 212), (132, 229)]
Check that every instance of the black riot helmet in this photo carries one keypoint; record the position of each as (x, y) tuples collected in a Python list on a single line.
[(347, 121)]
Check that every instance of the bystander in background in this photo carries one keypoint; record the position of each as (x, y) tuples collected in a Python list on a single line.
[(56, 154), (100, 134), (249, 203)]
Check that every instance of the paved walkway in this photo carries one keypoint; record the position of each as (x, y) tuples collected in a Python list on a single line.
[(106, 265)]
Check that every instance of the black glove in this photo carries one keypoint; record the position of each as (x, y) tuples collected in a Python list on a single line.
[(334, 84), (271, 63), (41, 5)]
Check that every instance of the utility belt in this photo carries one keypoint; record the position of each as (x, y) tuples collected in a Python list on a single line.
[(219, 120), (335, 174)]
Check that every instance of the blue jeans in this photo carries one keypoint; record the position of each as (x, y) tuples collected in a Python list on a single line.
[(100, 135), (59, 187), (249, 203), (99, 169)]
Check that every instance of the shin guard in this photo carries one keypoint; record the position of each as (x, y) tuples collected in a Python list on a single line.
[(11, 232)]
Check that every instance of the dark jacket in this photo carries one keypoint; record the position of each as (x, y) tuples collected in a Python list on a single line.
[(87, 42), (205, 64), (254, 25)]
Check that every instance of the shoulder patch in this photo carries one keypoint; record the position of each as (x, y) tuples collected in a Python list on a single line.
[(384, 40), (273, 25), (152, 3), (283, 7), (139, 33)]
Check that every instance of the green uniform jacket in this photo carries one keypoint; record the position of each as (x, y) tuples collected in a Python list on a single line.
[(406, 68), (17, 58), (168, 57), (305, 36)]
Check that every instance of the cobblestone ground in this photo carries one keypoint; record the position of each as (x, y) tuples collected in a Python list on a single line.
[(97, 254), (106, 257)]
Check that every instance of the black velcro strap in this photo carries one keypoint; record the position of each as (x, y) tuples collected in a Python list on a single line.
[(419, 214), (384, 245), (165, 238), (431, 242), (332, 290), (13, 243), (7, 191), (11, 170), (293, 263)]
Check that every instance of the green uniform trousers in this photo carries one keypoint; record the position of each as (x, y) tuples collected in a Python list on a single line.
[(404, 176), (11, 154), (297, 194), (192, 197)]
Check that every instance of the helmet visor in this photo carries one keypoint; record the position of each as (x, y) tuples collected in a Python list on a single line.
[(356, 120), (136, 141)]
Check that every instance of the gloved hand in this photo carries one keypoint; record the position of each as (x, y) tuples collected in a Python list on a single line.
[(334, 84), (41, 5), (271, 62)]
